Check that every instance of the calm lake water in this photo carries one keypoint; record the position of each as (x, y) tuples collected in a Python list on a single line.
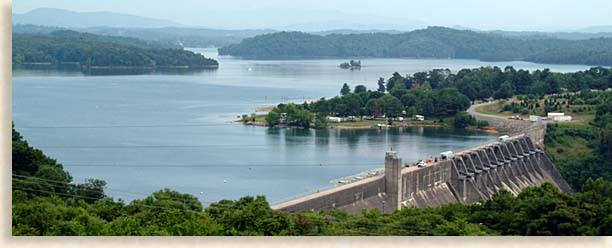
[(142, 133)]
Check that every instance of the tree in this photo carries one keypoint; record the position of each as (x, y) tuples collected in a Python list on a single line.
[(298, 116), (605, 144), (381, 85), (504, 91), (273, 118), (398, 90), (345, 89), (320, 122), (409, 99), (463, 120), (374, 108), (392, 107), (482, 124), (360, 89), (353, 104)]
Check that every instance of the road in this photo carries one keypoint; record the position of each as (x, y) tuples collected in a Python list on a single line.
[(499, 122)]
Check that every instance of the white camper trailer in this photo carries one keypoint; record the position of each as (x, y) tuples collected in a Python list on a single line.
[(448, 155)]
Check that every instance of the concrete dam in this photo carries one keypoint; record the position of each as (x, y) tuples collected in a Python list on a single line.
[(469, 176)]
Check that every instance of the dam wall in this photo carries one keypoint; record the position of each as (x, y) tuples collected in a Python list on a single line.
[(469, 176)]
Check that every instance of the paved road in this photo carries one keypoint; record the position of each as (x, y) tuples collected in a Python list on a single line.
[(499, 122)]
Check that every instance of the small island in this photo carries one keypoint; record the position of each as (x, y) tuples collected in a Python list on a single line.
[(353, 65)]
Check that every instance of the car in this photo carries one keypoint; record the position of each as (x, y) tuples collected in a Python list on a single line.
[(421, 164)]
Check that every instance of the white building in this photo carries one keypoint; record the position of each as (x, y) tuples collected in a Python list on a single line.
[(419, 117), (334, 119), (562, 118), (535, 118), (559, 117)]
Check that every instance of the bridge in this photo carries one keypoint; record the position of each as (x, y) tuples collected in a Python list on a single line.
[(470, 175)]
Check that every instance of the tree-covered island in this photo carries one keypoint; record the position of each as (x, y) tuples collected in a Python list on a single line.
[(91, 51), (353, 65)]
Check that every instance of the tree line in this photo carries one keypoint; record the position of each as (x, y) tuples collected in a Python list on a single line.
[(433, 42), (87, 50), (439, 93), (47, 202)]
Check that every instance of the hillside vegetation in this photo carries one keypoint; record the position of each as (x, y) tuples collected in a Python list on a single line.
[(433, 42), (89, 50)]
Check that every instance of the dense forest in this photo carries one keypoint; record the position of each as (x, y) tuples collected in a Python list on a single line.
[(433, 42), (89, 50), (47, 202), (439, 93)]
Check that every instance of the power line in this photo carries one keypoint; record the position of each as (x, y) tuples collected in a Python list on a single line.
[(94, 198), (288, 165), (188, 146), (69, 185), (127, 126), (155, 146)]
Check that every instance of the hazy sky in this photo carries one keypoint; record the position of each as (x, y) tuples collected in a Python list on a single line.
[(482, 14)]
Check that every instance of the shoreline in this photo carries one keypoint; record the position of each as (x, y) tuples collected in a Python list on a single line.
[(117, 67), (489, 130)]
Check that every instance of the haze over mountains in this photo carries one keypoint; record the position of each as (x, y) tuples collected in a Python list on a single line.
[(315, 23), (72, 19), (175, 33)]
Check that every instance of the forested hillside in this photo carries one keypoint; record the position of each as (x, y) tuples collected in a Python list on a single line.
[(433, 42), (88, 50), (168, 37)]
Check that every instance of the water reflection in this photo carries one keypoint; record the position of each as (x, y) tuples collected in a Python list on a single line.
[(76, 70)]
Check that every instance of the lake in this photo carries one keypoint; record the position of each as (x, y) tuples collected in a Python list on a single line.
[(142, 133)]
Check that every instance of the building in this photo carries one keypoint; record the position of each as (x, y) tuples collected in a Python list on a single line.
[(334, 119), (535, 118), (559, 117), (419, 117), (562, 118), (552, 115)]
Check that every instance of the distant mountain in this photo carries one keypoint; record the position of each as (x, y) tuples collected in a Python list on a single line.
[(391, 24), (168, 36), (72, 19), (531, 35), (183, 36), (596, 29), (433, 42), (353, 31)]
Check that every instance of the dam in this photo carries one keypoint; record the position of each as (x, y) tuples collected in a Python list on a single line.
[(468, 176)]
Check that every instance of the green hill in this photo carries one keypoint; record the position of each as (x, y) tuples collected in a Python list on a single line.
[(89, 50), (433, 42)]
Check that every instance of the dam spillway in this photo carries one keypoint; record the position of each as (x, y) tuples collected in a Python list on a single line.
[(469, 176)]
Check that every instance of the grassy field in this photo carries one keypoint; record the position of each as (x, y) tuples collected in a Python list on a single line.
[(497, 110), (569, 139)]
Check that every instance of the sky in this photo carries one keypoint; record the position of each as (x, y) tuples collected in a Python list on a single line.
[(517, 15)]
